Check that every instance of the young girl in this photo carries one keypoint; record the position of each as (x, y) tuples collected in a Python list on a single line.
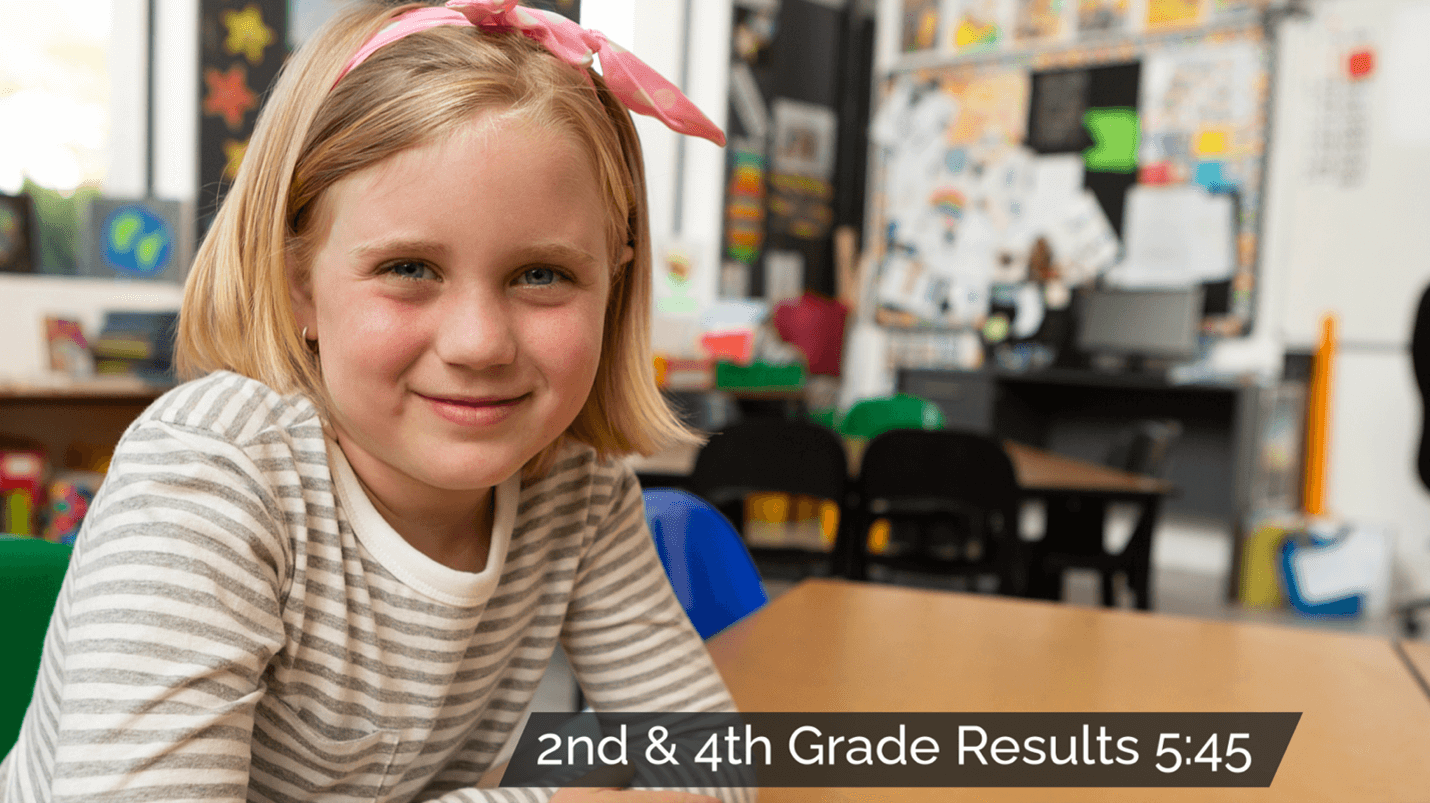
[(336, 566)]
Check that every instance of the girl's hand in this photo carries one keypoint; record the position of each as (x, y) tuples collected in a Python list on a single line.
[(614, 795)]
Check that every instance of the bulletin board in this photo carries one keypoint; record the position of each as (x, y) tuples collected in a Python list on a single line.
[(997, 106)]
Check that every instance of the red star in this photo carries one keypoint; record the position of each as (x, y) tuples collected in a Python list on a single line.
[(229, 96)]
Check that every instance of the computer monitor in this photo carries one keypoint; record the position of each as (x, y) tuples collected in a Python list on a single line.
[(1151, 324)]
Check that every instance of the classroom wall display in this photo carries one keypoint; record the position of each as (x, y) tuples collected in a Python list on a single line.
[(241, 47), (136, 239), (1007, 173), (920, 25), (17, 254), (1102, 17)]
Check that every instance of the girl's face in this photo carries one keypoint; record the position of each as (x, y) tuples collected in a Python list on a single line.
[(458, 300)]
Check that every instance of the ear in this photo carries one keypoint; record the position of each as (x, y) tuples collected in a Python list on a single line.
[(300, 293), (627, 256)]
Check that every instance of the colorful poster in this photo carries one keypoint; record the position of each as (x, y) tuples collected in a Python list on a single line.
[(993, 107), (980, 25), (1200, 114), (1173, 13), (1102, 16), (241, 47), (1039, 20), (920, 25)]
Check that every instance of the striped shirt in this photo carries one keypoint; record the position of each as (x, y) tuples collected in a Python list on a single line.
[(239, 622)]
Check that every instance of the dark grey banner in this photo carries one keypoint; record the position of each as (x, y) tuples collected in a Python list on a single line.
[(902, 750)]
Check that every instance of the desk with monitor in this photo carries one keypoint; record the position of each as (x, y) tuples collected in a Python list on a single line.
[(1115, 371)]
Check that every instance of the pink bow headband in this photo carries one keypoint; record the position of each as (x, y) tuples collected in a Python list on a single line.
[(639, 87)]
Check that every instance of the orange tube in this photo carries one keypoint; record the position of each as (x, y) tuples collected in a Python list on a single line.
[(1318, 417)]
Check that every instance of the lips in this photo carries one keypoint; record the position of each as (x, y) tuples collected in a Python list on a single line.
[(476, 401), (475, 411)]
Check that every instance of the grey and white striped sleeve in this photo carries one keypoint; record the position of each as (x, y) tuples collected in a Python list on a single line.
[(167, 618), (631, 644)]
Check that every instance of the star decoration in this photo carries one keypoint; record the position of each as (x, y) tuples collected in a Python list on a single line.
[(229, 96), (247, 34), (233, 151)]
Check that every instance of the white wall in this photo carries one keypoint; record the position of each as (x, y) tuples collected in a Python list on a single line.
[(1356, 252), (654, 30)]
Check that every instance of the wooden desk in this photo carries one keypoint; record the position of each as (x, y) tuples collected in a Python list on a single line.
[(831, 645), (1039, 471), (1417, 656)]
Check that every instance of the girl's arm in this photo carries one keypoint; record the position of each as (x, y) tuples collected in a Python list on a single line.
[(167, 618), (630, 643)]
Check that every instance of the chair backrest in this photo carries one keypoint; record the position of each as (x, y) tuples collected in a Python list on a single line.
[(711, 571), (795, 457), (31, 571), (942, 476), (871, 417)]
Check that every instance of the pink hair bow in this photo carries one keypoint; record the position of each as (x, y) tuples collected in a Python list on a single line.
[(640, 88)]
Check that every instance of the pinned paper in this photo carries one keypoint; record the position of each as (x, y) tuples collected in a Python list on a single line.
[(1115, 133), (1176, 236), (1212, 142), (1155, 173), (1083, 241), (1210, 175), (1361, 63)]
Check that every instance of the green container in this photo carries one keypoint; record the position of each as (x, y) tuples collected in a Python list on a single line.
[(758, 376), (871, 417), (30, 574)]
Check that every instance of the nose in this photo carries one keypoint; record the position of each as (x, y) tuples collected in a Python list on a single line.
[(476, 331)]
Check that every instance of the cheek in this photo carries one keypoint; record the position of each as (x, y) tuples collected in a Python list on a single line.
[(569, 345), (365, 335)]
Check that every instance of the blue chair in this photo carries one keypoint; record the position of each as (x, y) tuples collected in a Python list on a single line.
[(711, 570)]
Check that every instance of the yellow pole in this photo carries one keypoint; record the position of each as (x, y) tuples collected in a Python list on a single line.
[(1318, 417)]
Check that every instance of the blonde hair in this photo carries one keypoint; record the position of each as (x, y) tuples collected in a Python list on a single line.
[(237, 311)]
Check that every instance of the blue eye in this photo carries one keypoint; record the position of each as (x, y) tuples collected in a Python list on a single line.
[(540, 276), (410, 270)]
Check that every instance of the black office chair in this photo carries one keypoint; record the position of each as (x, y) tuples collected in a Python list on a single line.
[(773, 455), (951, 499), (1420, 361), (1076, 526)]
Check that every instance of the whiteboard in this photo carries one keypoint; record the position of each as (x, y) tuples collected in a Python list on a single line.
[(1349, 195)]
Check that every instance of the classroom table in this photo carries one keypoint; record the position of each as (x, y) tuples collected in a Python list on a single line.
[(1073, 492), (1416, 655), (1039, 471), (833, 645)]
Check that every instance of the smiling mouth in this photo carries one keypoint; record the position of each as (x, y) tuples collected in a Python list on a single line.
[(477, 402)]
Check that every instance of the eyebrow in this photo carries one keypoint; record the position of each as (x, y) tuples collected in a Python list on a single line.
[(538, 252), (399, 245)]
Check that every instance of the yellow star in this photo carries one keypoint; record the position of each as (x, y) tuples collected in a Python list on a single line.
[(233, 151), (247, 34)]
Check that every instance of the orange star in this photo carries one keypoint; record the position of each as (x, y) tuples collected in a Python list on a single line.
[(233, 151), (247, 34), (229, 96)]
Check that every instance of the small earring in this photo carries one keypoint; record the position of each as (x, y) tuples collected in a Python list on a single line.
[(305, 333)]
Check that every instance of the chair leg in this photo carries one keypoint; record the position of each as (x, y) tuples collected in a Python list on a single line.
[(1109, 590)]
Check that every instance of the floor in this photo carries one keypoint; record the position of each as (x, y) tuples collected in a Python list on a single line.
[(1191, 560)]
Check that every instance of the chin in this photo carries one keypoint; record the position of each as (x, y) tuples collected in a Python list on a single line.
[(464, 471)]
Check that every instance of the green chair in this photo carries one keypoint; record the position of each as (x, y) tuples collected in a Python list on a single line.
[(31, 571), (871, 417)]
